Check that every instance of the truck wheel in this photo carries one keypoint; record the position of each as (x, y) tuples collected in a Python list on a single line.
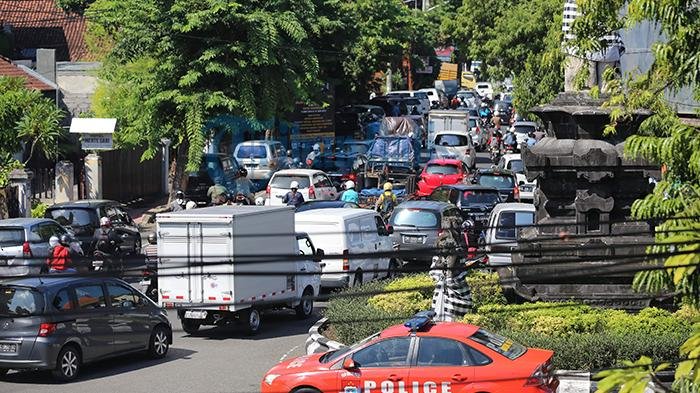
[(252, 320), (67, 364), (190, 326), (306, 305)]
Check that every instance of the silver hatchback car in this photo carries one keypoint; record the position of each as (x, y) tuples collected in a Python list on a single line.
[(60, 323)]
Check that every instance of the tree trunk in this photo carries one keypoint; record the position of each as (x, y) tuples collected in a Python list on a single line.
[(178, 175)]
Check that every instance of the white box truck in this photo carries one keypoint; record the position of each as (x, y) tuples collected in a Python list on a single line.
[(446, 120), (224, 264)]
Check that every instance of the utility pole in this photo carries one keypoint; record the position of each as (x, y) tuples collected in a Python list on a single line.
[(388, 78), (426, 5)]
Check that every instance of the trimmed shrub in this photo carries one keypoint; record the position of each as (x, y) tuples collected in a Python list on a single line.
[(486, 288), (406, 302)]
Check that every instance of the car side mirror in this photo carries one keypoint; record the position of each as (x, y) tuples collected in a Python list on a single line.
[(128, 304), (521, 183), (389, 230), (319, 255), (349, 364)]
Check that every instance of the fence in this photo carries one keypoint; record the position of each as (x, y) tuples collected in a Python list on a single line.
[(126, 178), (43, 183)]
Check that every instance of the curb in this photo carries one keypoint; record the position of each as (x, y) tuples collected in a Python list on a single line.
[(317, 343)]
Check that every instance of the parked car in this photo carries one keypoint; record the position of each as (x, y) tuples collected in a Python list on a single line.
[(417, 225), (314, 205), (313, 185), (24, 244), (485, 89), (522, 129), (261, 158), (502, 180), (514, 163), (422, 96), (214, 169), (441, 171), (83, 218), (349, 232), (420, 356), (474, 202), (455, 144), (61, 323), (502, 230), (470, 98)]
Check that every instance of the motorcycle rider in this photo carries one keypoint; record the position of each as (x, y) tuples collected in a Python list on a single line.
[(293, 197), (243, 184), (509, 140), (350, 195), (315, 151), (60, 260), (387, 201), (179, 202), (484, 111), (108, 242), (289, 161)]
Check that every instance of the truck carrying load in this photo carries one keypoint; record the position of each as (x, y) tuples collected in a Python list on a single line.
[(218, 264)]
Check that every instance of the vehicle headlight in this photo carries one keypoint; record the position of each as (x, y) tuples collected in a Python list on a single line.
[(270, 378)]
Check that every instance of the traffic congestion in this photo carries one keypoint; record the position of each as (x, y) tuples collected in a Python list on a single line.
[(84, 284)]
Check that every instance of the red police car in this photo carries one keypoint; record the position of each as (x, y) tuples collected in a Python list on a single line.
[(420, 356), (440, 172)]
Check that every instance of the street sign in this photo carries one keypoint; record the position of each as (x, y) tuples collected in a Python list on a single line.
[(448, 71), (96, 134)]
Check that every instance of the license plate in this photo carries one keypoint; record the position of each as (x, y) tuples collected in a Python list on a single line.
[(526, 188), (191, 314), (97, 263), (8, 348), (412, 239)]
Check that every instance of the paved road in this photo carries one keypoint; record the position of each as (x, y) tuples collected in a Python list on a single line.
[(213, 360)]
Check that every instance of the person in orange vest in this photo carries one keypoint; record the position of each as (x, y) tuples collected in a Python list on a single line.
[(60, 261)]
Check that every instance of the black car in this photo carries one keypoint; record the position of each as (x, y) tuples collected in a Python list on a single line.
[(503, 180), (474, 202), (60, 323), (83, 218), (215, 168)]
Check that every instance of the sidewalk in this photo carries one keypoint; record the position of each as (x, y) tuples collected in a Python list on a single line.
[(139, 212)]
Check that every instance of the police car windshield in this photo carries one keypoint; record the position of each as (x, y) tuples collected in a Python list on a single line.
[(498, 343), (337, 354)]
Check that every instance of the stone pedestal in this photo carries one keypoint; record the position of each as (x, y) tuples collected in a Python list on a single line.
[(63, 183), (93, 176), (21, 178)]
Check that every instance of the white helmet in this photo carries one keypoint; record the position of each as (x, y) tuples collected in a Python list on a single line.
[(317, 147), (190, 205), (349, 184), (105, 222), (294, 184), (496, 113), (260, 201), (53, 241), (483, 105)]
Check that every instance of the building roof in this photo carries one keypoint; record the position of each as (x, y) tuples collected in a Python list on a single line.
[(42, 24), (31, 80)]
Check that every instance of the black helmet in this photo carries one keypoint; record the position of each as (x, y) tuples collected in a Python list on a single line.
[(152, 238), (179, 194), (242, 172), (64, 240)]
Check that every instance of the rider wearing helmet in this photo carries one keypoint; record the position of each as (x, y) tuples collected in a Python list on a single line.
[(60, 261), (387, 201), (244, 185), (316, 150), (150, 250), (179, 202), (293, 197), (484, 111), (240, 199), (350, 195), (108, 240)]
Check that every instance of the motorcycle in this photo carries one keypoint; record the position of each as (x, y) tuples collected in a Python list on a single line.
[(495, 155), (102, 261)]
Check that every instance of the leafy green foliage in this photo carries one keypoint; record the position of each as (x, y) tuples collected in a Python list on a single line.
[(39, 209), (29, 122), (485, 288), (77, 6), (405, 302)]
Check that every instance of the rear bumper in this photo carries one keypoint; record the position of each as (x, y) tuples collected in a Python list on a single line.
[(19, 270), (335, 280), (25, 364)]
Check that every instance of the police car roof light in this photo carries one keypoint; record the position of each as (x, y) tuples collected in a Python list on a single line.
[(420, 320)]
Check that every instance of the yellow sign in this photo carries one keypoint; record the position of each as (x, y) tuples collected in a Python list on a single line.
[(468, 80), (448, 71)]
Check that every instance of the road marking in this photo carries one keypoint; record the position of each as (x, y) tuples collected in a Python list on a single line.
[(289, 352)]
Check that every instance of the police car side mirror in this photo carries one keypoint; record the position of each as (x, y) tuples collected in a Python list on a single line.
[(349, 364)]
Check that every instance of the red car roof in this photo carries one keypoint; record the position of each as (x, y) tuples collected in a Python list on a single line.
[(445, 161), (440, 329)]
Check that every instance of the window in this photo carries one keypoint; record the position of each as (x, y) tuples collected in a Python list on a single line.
[(480, 197), (62, 301), (251, 151), (41, 233), (392, 352), (119, 294), (508, 221), (283, 181), (116, 215), (73, 217), (436, 169), (354, 233), (321, 181), (498, 343), (440, 194), (20, 302), (433, 351), (593, 220), (451, 140), (516, 166), (11, 237), (498, 181), (90, 297), (415, 218), (305, 247)]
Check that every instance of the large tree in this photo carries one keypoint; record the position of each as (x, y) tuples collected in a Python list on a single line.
[(668, 140), (173, 64), (29, 124)]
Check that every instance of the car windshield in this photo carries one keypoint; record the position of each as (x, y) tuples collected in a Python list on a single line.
[(411, 101), (509, 222), (414, 218), (524, 129), (437, 169), (480, 197), (10, 237), (472, 123), (355, 148), (498, 343), (19, 302), (498, 181), (283, 181), (73, 217), (451, 140), (516, 166), (251, 151), (337, 354), (420, 95)]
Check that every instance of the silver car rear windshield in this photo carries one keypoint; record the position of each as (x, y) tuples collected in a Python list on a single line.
[(20, 302), (11, 237)]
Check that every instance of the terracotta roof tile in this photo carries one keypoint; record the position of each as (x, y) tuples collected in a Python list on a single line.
[(42, 24), (9, 69)]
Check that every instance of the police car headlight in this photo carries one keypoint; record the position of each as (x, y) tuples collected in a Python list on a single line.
[(270, 378)]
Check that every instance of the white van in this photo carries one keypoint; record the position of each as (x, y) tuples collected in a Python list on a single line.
[(348, 232), (502, 232), (313, 185)]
